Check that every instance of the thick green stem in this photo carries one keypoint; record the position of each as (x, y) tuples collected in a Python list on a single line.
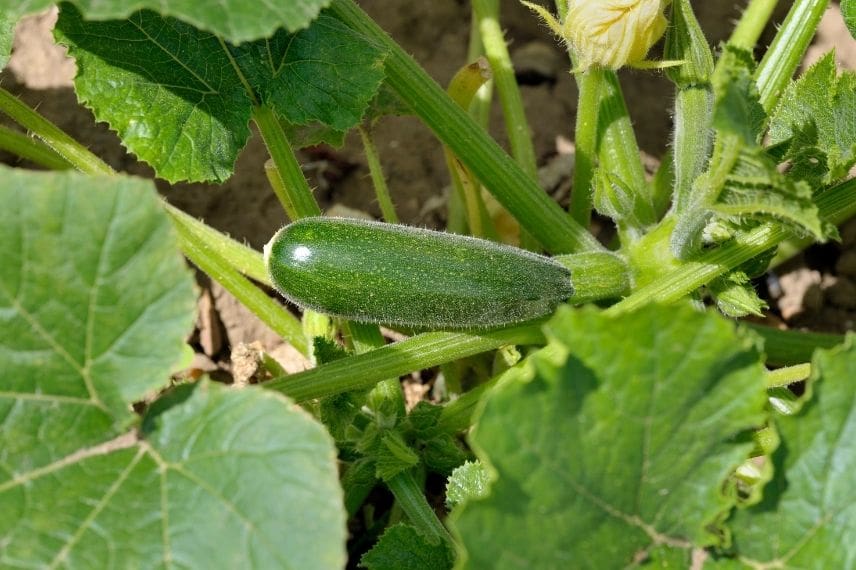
[(418, 352), (834, 205), (31, 149), (69, 149), (378, 179), (287, 167), (269, 311), (585, 139), (752, 23), (512, 187), (685, 41), (693, 140), (790, 44), (411, 498), (618, 151), (787, 348)]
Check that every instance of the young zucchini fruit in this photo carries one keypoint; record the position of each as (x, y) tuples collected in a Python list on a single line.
[(386, 273)]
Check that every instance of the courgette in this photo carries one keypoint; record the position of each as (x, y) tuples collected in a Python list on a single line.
[(393, 274)]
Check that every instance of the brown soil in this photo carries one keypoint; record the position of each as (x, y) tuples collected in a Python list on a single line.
[(818, 289)]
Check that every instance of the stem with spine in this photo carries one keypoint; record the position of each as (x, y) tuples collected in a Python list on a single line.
[(31, 149), (787, 50), (65, 146), (421, 351), (788, 375), (752, 22), (291, 177), (685, 41), (268, 310)]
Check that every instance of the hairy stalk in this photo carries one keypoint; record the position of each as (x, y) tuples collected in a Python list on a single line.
[(242, 257), (516, 125), (496, 50), (693, 139)]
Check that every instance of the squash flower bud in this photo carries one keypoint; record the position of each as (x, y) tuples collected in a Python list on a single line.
[(614, 33), (610, 33)]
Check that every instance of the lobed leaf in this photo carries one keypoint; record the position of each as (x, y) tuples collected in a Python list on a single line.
[(95, 300), (620, 447), (807, 518), (755, 189), (181, 99), (95, 303), (233, 20), (824, 105)]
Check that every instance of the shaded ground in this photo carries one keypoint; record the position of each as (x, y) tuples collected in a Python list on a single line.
[(817, 290)]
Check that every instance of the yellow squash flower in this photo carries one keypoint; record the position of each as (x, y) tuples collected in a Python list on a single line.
[(609, 33)]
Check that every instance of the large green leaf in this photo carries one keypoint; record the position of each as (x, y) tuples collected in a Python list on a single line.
[(95, 303), (620, 446), (223, 479), (825, 106), (181, 99), (94, 298), (807, 518), (755, 189), (234, 20)]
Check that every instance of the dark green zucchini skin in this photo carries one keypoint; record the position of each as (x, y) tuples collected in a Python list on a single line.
[(386, 273)]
